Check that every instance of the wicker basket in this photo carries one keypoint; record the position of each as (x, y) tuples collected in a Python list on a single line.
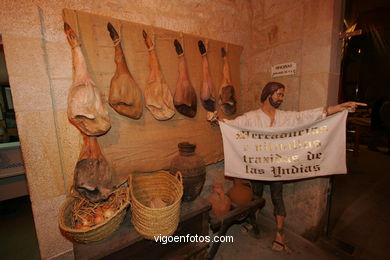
[(150, 222), (93, 234)]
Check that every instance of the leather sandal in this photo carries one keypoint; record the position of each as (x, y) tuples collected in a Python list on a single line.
[(283, 247)]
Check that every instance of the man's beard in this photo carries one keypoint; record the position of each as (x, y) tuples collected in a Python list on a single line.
[(273, 103)]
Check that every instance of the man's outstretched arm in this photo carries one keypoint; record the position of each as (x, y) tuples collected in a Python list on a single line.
[(351, 106)]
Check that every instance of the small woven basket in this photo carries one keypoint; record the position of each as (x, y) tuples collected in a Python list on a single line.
[(148, 221), (93, 234)]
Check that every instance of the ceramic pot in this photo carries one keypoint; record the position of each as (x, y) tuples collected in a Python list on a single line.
[(241, 193), (220, 203), (192, 168)]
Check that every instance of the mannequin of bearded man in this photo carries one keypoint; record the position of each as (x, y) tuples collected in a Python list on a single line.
[(269, 116)]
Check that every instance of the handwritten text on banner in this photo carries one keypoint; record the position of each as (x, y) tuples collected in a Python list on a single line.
[(309, 150)]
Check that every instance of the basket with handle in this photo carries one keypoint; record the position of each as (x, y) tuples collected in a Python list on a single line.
[(150, 221), (94, 233)]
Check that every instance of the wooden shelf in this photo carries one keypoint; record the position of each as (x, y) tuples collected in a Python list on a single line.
[(126, 243)]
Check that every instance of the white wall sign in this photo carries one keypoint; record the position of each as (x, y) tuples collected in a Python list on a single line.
[(284, 69)]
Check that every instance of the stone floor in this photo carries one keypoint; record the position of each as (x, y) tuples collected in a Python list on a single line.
[(246, 247), (360, 216)]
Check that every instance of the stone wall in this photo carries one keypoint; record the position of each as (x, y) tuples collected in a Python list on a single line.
[(305, 32), (271, 32)]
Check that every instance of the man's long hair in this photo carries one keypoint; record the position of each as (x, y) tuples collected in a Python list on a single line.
[(270, 89)]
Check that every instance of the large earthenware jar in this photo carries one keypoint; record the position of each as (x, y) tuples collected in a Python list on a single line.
[(192, 168), (241, 193)]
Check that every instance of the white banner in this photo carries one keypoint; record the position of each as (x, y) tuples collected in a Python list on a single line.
[(275, 154)]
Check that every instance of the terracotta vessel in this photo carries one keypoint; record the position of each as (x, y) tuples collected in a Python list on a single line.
[(241, 193), (192, 168), (220, 203)]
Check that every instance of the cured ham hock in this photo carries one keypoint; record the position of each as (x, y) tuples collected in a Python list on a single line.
[(158, 97), (207, 96), (185, 97), (87, 108), (227, 99), (125, 96), (92, 174)]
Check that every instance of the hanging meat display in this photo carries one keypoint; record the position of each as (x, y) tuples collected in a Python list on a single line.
[(87, 108), (125, 96), (185, 96), (92, 174), (227, 98), (207, 96), (158, 97)]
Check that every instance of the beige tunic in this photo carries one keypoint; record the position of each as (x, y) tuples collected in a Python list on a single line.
[(258, 119)]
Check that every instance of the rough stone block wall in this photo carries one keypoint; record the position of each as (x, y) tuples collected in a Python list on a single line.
[(271, 32), (305, 32)]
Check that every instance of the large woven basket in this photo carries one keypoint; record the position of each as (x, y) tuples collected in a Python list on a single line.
[(150, 222), (93, 234)]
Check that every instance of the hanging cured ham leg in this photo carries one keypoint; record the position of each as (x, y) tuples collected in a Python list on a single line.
[(92, 174), (125, 95), (207, 90), (87, 108), (185, 96), (227, 98), (158, 97)]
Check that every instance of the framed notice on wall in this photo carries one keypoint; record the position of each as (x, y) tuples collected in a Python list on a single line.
[(284, 70)]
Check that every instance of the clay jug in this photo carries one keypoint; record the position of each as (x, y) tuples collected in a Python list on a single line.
[(192, 168), (220, 203), (241, 193)]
